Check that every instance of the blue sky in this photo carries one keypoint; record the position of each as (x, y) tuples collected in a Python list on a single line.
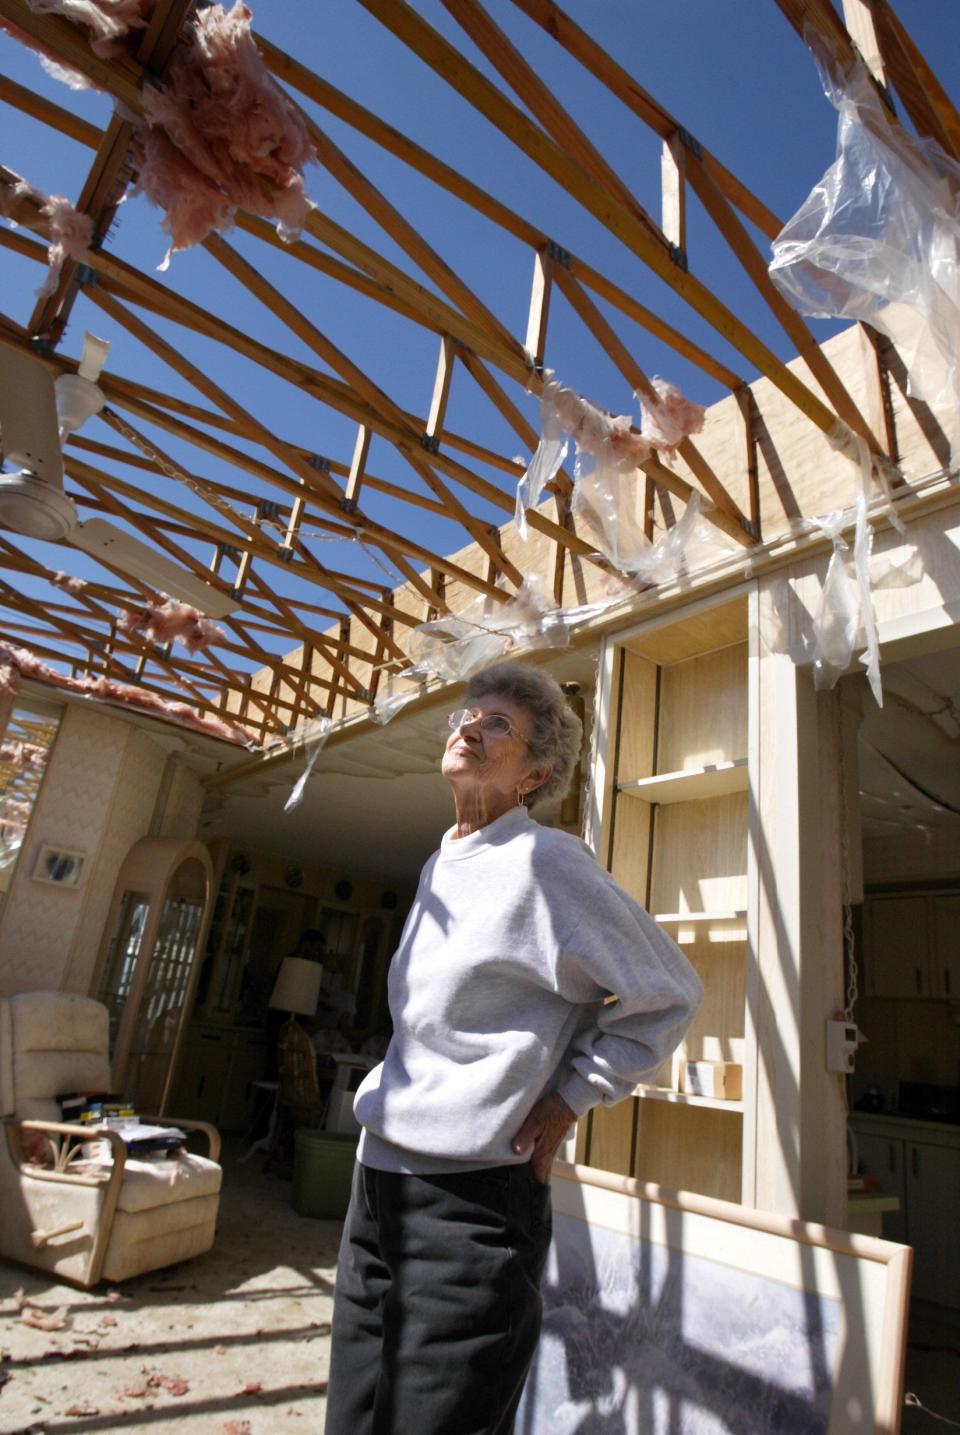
[(733, 72)]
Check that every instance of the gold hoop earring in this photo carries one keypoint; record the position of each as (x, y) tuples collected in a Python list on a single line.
[(520, 795)]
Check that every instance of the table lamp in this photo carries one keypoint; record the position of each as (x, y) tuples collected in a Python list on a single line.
[(297, 988)]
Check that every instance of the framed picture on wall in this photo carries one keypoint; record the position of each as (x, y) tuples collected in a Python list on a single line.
[(59, 867)]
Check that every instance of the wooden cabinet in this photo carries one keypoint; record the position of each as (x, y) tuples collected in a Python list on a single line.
[(933, 1220), (911, 945), (674, 834), (945, 945), (896, 947), (883, 1157), (215, 1081), (920, 1163)]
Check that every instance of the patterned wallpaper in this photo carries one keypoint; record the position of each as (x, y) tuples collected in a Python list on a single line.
[(97, 798)]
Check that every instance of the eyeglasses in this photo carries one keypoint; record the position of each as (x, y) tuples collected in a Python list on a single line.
[(495, 724)]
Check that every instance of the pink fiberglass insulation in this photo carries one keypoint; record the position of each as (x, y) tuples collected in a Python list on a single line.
[(106, 21), (672, 419), (219, 136), (70, 230), (14, 661), (222, 135), (70, 234), (72, 585), (597, 432), (163, 621), (23, 754), (9, 677)]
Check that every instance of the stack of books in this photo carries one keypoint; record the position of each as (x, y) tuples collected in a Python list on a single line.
[(100, 1111)]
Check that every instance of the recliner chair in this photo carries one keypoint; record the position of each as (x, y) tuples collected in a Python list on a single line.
[(101, 1221)]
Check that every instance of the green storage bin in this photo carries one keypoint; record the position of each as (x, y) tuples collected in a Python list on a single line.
[(322, 1171)]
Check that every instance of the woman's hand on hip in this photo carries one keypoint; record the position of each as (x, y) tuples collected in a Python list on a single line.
[(545, 1127)]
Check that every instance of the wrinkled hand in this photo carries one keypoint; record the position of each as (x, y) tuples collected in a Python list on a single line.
[(545, 1127)]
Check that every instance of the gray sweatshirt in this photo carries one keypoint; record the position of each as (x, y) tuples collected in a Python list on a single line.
[(499, 991)]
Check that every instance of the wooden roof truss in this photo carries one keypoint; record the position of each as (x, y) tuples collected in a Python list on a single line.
[(286, 501)]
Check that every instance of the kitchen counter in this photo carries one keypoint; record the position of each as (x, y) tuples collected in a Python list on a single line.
[(865, 1212), (891, 1123)]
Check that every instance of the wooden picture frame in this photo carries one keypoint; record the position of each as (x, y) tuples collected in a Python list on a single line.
[(59, 867), (668, 1313)]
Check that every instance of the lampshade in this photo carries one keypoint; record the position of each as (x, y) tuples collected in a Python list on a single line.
[(297, 988)]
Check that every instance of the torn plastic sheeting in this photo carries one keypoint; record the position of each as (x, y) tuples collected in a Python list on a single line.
[(313, 736), (608, 505), (667, 418), (870, 470), (456, 647), (837, 620), (547, 459), (880, 233), (462, 643), (392, 697)]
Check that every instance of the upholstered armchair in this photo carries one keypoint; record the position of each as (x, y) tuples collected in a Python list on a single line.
[(87, 1221)]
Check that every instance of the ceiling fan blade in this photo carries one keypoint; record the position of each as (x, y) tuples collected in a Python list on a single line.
[(102, 540), (29, 427)]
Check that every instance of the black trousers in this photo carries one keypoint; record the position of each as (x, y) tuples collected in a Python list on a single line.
[(437, 1306)]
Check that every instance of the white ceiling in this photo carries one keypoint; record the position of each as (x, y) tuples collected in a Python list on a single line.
[(909, 750), (374, 805)]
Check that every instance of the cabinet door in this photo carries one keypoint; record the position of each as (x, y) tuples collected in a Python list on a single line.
[(895, 950), (945, 946), (883, 1159), (933, 1221), (203, 1076), (248, 1064)]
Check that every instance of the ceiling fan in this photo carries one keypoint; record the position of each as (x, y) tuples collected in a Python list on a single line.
[(36, 415)]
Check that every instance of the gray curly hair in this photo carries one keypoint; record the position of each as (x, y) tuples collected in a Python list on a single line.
[(557, 733)]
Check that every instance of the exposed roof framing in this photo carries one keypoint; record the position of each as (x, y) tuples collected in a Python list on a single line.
[(326, 552)]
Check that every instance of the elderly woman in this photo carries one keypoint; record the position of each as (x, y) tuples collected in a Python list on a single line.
[(504, 1033)]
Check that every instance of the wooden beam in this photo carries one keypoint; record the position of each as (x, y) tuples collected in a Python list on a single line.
[(417, 302), (725, 514), (29, 103), (730, 226), (380, 403), (120, 78), (358, 464), (433, 429), (403, 233), (594, 58), (538, 312), (471, 85), (673, 191), (313, 478), (540, 100), (924, 98)]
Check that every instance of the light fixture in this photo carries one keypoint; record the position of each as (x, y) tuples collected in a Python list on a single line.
[(297, 988)]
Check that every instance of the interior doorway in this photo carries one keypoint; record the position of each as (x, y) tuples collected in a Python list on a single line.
[(905, 1092)]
